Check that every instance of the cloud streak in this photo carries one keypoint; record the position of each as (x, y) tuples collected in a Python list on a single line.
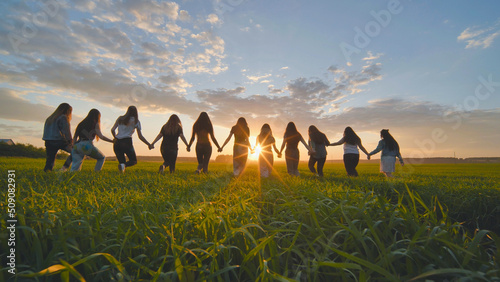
[(478, 37)]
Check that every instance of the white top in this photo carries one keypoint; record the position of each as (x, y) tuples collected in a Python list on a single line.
[(126, 130), (350, 149)]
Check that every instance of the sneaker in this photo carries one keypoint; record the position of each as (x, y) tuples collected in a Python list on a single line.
[(63, 169), (121, 168), (162, 169)]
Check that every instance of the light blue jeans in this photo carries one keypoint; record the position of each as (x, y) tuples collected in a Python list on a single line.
[(86, 148)]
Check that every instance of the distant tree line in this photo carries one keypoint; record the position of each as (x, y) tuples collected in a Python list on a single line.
[(25, 150)]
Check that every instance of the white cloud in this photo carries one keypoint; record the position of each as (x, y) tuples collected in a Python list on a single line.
[(477, 37), (256, 78), (213, 19), (371, 57)]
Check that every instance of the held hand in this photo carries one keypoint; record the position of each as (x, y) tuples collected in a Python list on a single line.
[(279, 155), (188, 149), (368, 157), (219, 150), (151, 146)]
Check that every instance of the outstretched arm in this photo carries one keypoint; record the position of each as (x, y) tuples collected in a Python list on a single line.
[(190, 141), (227, 140), (276, 150), (156, 139), (309, 148), (139, 133), (282, 145), (99, 133), (183, 139), (215, 141), (378, 149), (340, 142), (362, 148)]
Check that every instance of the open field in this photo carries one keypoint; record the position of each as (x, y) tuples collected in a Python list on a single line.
[(432, 222)]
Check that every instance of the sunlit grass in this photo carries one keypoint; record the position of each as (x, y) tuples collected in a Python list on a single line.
[(185, 227)]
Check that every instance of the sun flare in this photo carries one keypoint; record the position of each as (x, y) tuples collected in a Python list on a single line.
[(255, 154)]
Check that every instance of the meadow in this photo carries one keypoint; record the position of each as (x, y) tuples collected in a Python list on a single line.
[(430, 223)]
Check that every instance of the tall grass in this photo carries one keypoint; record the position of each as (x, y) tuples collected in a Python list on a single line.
[(186, 227)]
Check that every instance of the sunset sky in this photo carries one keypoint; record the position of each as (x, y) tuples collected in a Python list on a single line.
[(427, 70)]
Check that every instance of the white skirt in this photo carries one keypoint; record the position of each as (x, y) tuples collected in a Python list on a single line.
[(388, 164)]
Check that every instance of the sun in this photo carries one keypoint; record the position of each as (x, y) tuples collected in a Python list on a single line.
[(256, 153)]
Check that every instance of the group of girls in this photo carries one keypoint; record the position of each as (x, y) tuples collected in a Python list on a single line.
[(57, 136)]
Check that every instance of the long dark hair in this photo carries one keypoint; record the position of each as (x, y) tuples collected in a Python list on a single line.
[(242, 127), (390, 142), (131, 113), (291, 129), (203, 123), (350, 137), (172, 126), (87, 126), (62, 109), (265, 132), (316, 136)]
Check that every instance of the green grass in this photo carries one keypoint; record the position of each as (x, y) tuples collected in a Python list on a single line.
[(430, 222)]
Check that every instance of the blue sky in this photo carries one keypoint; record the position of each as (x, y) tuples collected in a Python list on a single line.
[(427, 70)]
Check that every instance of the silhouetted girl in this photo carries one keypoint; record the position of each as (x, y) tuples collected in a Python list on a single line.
[(170, 132), (351, 143), (204, 131), (241, 133), (127, 124), (86, 131), (318, 143), (57, 135), (266, 142), (390, 150), (291, 139)]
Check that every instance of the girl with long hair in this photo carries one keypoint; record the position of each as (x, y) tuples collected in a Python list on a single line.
[(127, 124), (57, 136), (86, 131), (170, 132), (351, 143), (318, 142), (390, 150), (291, 139), (203, 130), (266, 142), (241, 133)]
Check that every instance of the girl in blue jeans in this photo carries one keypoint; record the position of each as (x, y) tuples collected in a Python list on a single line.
[(86, 131)]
